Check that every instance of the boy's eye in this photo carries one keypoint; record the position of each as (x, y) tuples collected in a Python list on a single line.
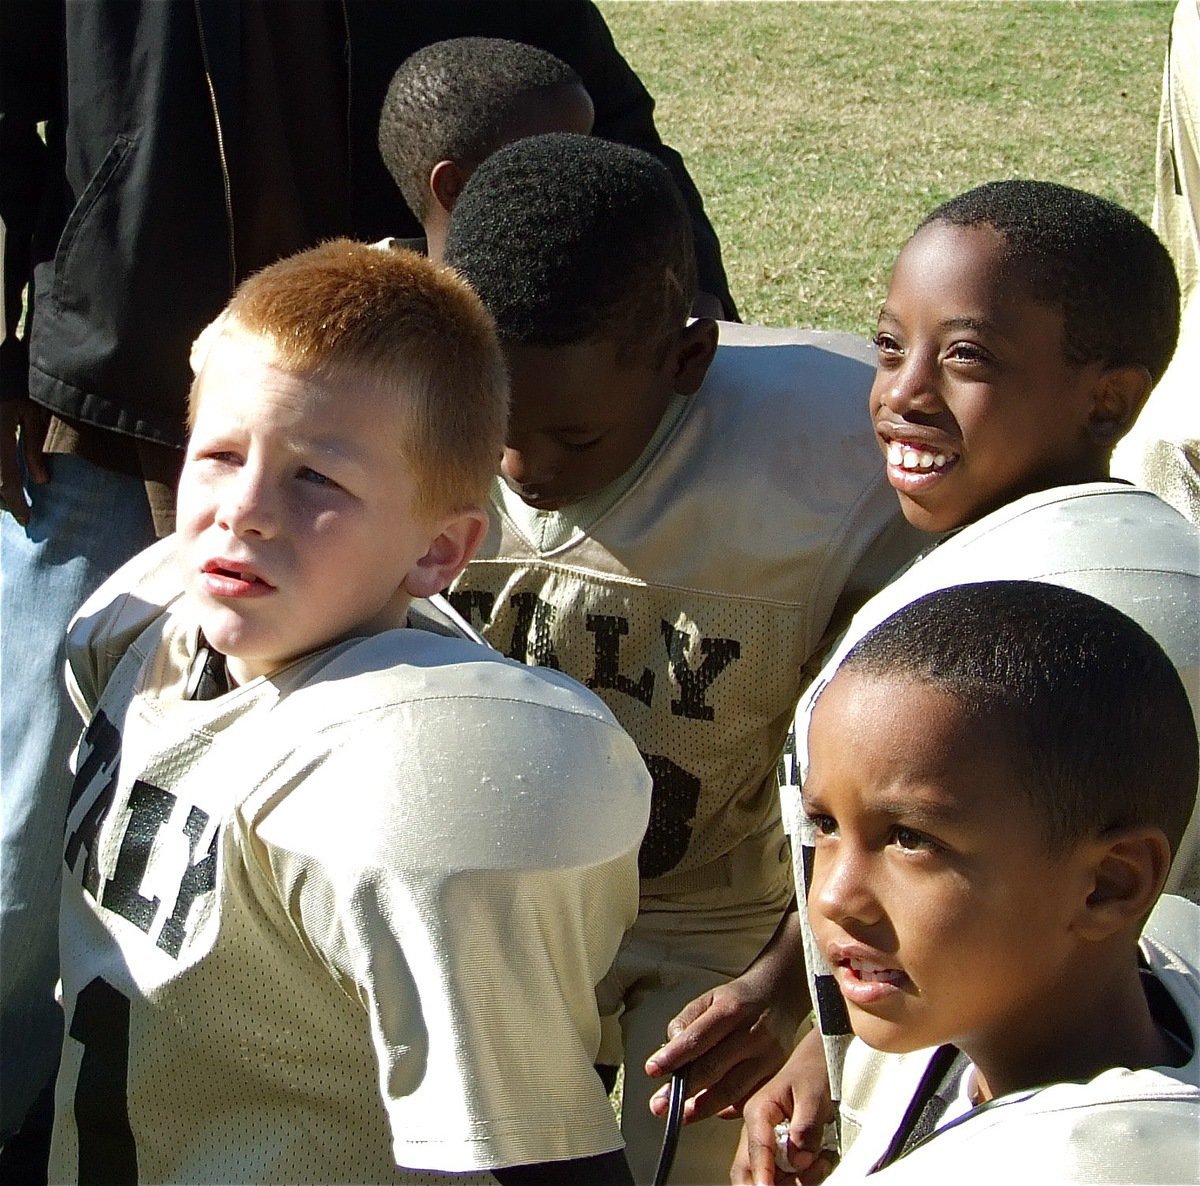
[(305, 474), (822, 825), (886, 344), (911, 841), (580, 446), (967, 352), (220, 456)]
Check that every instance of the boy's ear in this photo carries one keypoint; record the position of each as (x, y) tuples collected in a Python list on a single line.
[(1128, 868), (446, 181), (1119, 396), (451, 549), (692, 355)]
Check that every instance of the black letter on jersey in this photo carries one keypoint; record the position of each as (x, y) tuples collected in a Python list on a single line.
[(199, 878), (468, 601), (107, 1152), (718, 654), (607, 673), (531, 631), (105, 751), (672, 814), (149, 809)]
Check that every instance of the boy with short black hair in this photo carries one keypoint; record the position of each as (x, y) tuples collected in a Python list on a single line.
[(314, 929), (1024, 326), (998, 776), (452, 104), (679, 523)]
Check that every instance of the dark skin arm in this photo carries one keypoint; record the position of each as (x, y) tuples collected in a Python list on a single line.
[(736, 1036), (606, 1169)]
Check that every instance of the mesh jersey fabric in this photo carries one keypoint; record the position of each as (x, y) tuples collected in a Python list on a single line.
[(692, 603), (1121, 1126), (341, 919)]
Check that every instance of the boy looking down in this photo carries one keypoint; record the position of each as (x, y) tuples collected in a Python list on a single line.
[(338, 889), (678, 523)]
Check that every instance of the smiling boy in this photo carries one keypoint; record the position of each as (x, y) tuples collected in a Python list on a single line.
[(312, 929), (961, 445), (998, 775), (1024, 325)]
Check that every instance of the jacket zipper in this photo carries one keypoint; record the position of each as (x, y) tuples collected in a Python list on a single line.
[(349, 105), (212, 95)]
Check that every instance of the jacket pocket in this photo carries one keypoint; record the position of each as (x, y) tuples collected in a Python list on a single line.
[(114, 164)]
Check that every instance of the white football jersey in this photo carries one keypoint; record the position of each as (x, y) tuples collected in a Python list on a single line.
[(1121, 1126), (693, 602), (341, 919), (1122, 546)]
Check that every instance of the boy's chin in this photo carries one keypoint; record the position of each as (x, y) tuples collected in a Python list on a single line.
[(889, 1037), (242, 658), (932, 520)]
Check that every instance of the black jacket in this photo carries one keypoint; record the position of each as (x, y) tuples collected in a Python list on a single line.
[(123, 212)]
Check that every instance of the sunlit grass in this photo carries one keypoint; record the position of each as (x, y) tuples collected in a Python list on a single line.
[(820, 132)]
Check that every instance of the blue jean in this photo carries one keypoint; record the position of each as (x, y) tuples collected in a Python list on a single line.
[(85, 523)]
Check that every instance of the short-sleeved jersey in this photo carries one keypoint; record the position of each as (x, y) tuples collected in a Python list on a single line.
[(1121, 545), (692, 603), (340, 919), (1121, 1126)]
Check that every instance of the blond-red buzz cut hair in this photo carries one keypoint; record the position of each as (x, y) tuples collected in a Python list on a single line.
[(348, 312)]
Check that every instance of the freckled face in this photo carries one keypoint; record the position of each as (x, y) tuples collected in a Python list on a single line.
[(933, 897), (295, 518), (974, 402)]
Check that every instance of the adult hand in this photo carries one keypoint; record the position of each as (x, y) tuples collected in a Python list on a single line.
[(735, 1036), (798, 1096), (22, 435)]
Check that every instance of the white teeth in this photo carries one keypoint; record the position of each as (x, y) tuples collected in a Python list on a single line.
[(870, 974), (912, 459)]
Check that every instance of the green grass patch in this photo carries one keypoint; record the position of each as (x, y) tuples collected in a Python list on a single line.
[(819, 132)]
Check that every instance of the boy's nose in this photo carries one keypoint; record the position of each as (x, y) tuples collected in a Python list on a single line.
[(841, 890), (249, 506), (912, 388), (523, 467)]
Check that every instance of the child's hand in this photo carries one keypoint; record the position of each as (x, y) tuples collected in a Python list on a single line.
[(737, 1035), (785, 1124), (731, 1040)]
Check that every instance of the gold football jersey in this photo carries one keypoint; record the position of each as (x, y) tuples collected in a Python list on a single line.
[(341, 919), (693, 602)]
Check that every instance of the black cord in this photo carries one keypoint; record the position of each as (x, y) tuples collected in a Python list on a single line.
[(666, 1157)]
